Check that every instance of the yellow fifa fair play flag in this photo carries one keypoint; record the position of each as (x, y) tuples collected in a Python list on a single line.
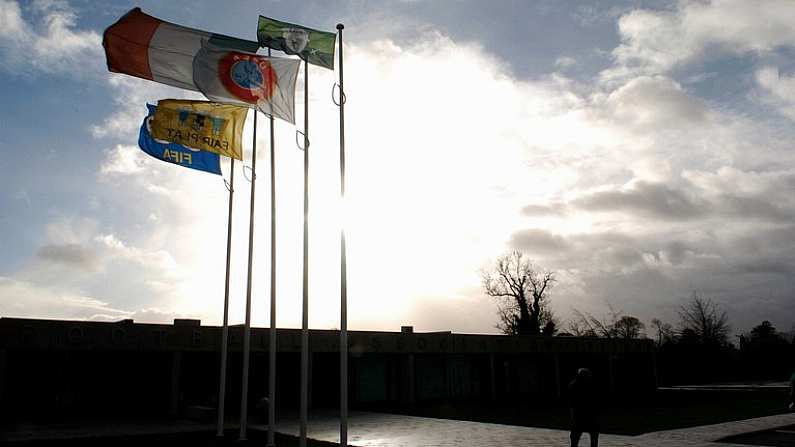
[(201, 125)]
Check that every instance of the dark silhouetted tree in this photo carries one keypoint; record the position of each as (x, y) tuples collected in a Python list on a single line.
[(550, 328), (628, 327), (663, 332), (705, 321), (766, 353), (617, 325), (764, 331), (521, 290), (586, 325)]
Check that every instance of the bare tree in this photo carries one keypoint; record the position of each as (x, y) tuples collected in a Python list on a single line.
[(628, 327), (616, 325), (663, 332), (521, 290), (586, 325), (705, 320)]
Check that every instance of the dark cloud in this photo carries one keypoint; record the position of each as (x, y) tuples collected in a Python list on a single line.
[(72, 255), (675, 251), (660, 201), (755, 208), (610, 249), (767, 265), (749, 271), (654, 292), (646, 199), (535, 242)]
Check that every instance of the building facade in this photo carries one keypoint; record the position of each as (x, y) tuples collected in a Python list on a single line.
[(54, 369)]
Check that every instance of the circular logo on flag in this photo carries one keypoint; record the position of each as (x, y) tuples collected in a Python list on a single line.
[(295, 39), (249, 78)]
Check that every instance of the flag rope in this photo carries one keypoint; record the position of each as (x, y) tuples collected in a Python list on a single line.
[(298, 133), (253, 175), (335, 88)]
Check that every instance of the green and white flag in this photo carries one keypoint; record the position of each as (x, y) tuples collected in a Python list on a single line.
[(316, 47)]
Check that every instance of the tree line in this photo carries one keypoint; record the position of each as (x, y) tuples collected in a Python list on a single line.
[(700, 340)]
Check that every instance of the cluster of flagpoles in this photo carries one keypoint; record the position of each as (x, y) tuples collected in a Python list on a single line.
[(133, 39), (304, 392)]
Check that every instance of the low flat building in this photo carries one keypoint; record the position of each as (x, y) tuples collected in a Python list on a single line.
[(51, 369)]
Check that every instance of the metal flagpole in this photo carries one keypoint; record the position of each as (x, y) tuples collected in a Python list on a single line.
[(305, 313), (225, 333), (343, 269), (272, 363), (247, 333)]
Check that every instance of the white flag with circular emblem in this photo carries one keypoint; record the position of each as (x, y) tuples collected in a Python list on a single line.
[(236, 77)]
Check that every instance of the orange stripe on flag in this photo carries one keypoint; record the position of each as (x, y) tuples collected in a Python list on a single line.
[(126, 43)]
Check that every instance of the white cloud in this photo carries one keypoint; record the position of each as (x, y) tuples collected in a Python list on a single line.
[(70, 230), (657, 41), (157, 260), (778, 90), (565, 62), (29, 299), (49, 44), (131, 96), (77, 260), (655, 101), (124, 159)]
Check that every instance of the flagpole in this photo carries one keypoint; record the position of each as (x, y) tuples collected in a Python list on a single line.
[(343, 269), (305, 312), (247, 333), (225, 332), (272, 338)]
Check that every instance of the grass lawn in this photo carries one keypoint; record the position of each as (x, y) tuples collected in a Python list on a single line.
[(194, 439), (665, 410)]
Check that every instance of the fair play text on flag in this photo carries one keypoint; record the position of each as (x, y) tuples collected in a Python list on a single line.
[(202, 125), (176, 153)]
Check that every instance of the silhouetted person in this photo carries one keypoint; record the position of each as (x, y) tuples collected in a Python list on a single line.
[(582, 400), (263, 408), (792, 391)]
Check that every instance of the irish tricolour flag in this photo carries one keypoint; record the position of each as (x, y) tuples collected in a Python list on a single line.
[(146, 47), (224, 68)]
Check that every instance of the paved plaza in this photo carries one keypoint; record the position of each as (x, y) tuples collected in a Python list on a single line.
[(387, 430)]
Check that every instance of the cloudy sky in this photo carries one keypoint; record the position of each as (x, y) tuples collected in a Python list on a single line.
[(642, 150)]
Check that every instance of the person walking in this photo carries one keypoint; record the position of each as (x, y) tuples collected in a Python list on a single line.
[(792, 391), (582, 400)]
